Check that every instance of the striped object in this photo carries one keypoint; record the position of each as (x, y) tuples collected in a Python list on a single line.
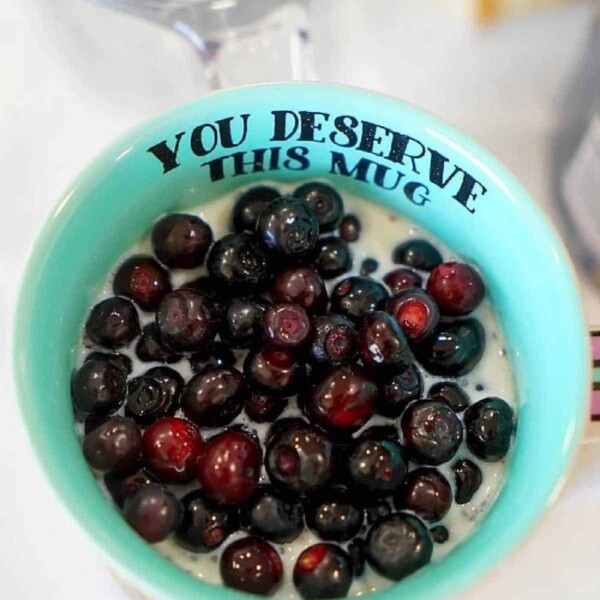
[(595, 408)]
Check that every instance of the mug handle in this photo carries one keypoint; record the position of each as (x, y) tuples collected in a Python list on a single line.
[(592, 432)]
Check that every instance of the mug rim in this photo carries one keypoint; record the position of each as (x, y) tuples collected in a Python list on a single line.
[(162, 581)]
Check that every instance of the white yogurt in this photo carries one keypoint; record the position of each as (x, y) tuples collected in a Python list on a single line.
[(381, 231)]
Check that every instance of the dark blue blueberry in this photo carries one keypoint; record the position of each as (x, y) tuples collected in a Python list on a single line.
[(489, 424)]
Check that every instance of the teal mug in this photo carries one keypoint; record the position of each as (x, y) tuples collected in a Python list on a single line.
[(373, 146)]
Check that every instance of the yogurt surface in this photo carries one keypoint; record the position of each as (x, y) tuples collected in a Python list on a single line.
[(382, 230)]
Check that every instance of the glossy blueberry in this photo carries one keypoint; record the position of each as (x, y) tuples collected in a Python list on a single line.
[(249, 205), (170, 381), (121, 361), (171, 447), (382, 343), (398, 390), (240, 262), (333, 342), (456, 287), (368, 267), (324, 201), (114, 446), (185, 320), (142, 279), (377, 464), (113, 323), (451, 394), (229, 466), (286, 326), (489, 424), (153, 511), (343, 401), (213, 356), (426, 492), (98, 387), (323, 571), (213, 398), (432, 432), (350, 228), (272, 516), (241, 325), (453, 349), (467, 480), (262, 407), (299, 457), (288, 227), (122, 486), (356, 297), (147, 401), (251, 565), (301, 285), (274, 371), (439, 534), (333, 515), (150, 349), (418, 254), (205, 524), (415, 312), (332, 257), (402, 279), (181, 241), (398, 545)]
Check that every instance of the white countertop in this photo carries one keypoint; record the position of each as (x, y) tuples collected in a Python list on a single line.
[(75, 76)]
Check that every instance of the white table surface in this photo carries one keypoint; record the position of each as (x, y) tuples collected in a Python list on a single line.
[(75, 76)]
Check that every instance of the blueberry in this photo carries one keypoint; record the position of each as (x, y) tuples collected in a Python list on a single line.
[(398, 545), (301, 285), (356, 297), (418, 254), (262, 407), (249, 206), (332, 257), (324, 201), (398, 390), (114, 446), (439, 534), (333, 515), (185, 320), (142, 279), (153, 511), (323, 571), (402, 279), (213, 398), (489, 426), (333, 342), (150, 349), (205, 525), (240, 262), (113, 323), (456, 287), (377, 464), (181, 241), (467, 479), (241, 325), (147, 400), (288, 227), (121, 361), (214, 355), (415, 311), (252, 566), (453, 349), (350, 228), (382, 343), (286, 326), (368, 267), (426, 492), (170, 381), (451, 394), (432, 432), (98, 387), (299, 457), (273, 517)]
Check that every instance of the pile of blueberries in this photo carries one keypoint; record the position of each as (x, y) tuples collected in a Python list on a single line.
[(342, 357)]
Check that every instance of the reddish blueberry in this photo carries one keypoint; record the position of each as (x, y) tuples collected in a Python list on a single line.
[(456, 287), (467, 479), (382, 343), (242, 322), (181, 241), (229, 467), (249, 205), (344, 400), (350, 228), (98, 387), (356, 297), (113, 323), (142, 279), (251, 565), (286, 326), (426, 492), (171, 446), (402, 279), (415, 312), (213, 398), (332, 257), (489, 426), (333, 342), (153, 511), (274, 371), (262, 407), (301, 285), (323, 571), (114, 446), (418, 254)]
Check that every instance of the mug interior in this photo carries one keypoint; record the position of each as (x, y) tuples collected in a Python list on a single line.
[(115, 201)]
